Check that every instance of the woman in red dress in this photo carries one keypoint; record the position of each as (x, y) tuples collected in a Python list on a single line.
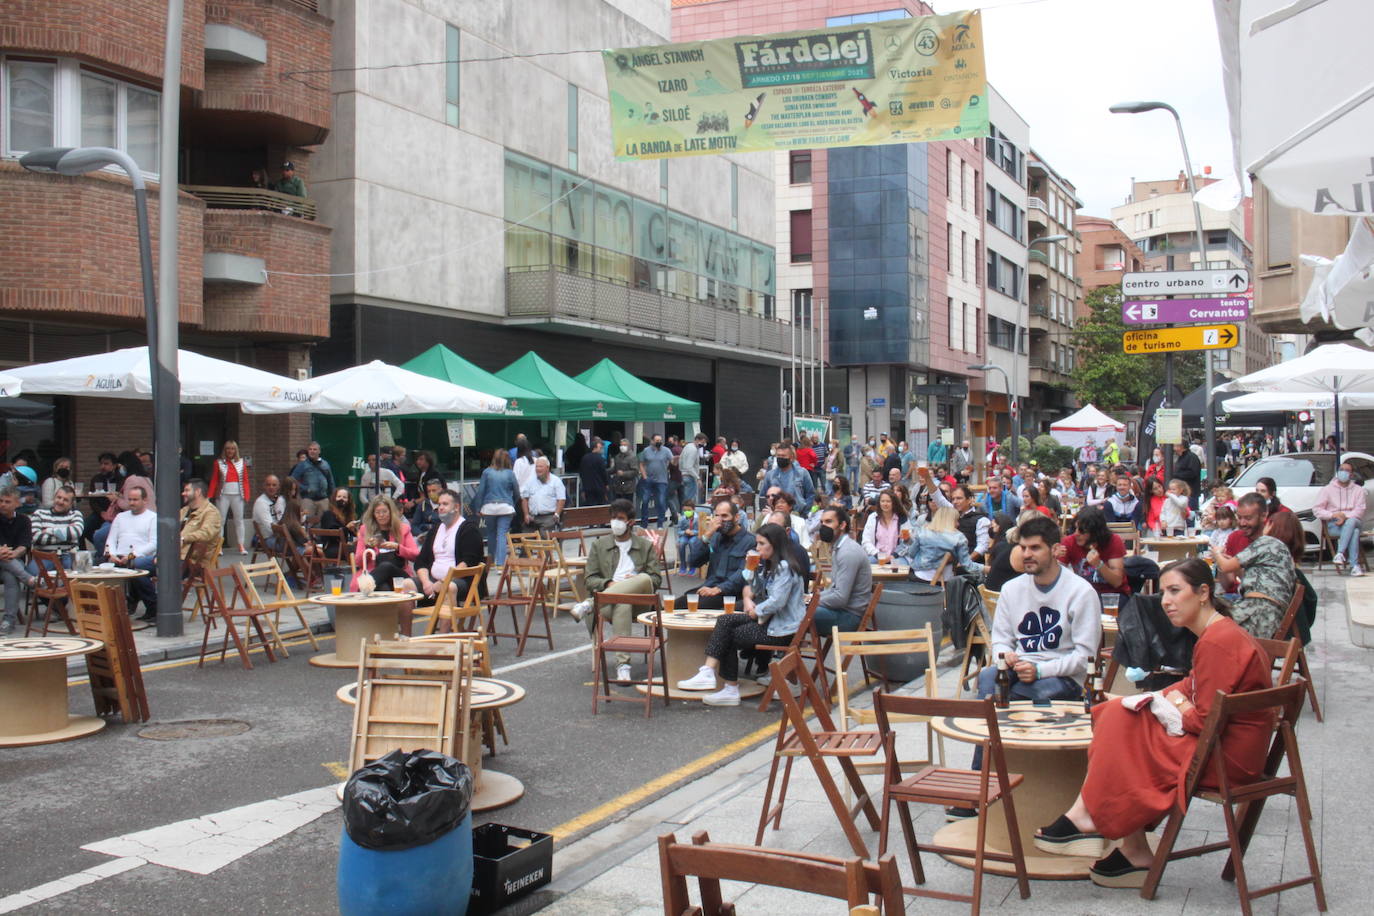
[(1135, 769)]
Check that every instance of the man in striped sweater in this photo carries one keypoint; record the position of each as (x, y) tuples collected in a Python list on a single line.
[(58, 529)]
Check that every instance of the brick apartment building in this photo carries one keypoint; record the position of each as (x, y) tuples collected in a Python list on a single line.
[(88, 73)]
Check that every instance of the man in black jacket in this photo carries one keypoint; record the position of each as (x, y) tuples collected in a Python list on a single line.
[(1188, 469), (454, 542), (594, 478)]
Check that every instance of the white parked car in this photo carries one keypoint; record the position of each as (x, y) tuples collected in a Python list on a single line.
[(1300, 476)]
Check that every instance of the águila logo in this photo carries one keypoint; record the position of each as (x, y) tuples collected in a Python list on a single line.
[(376, 406), (294, 395), (812, 58), (104, 383)]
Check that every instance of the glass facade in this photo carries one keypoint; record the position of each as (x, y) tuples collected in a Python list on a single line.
[(879, 255), (556, 218)]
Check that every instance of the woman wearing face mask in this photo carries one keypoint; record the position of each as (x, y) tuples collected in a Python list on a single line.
[(624, 472), (495, 501), (1156, 465), (61, 477), (735, 458)]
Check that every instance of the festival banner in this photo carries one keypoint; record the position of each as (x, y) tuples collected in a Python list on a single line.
[(899, 81)]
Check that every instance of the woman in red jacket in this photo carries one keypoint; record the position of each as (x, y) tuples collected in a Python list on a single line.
[(1135, 768), (229, 488)]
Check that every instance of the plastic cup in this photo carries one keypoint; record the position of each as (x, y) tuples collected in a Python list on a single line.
[(729, 604), (669, 602), (906, 534), (692, 603), (751, 562), (883, 559)]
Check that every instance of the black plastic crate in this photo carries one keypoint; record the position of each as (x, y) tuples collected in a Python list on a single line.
[(507, 862)]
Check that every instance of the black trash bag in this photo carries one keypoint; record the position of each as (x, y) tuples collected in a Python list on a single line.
[(406, 799)]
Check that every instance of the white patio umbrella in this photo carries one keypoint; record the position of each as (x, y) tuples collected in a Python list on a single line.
[(1337, 370), (10, 386), (381, 389), (1264, 401), (125, 374)]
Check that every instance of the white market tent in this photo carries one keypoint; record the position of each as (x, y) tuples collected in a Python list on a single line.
[(1075, 429)]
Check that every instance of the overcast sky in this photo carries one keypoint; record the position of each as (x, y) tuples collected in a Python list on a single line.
[(1061, 63)]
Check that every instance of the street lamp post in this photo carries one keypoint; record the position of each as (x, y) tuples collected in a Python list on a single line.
[(1011, 402), (1208, 412), (166, 389)]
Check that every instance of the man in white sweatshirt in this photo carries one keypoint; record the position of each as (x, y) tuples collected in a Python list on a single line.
[(133, 543), (1048, 627)]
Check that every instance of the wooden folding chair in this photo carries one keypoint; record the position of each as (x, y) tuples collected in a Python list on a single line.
[(224, 593), (876, 645), (454, 613), (304, 563), (53, 588), (1288, 629), (491, 721), (649, 645), (200, 557), (659, 538), (115, 675), (557, 574), (530, 598), (796, 739), (275, 595), (396, 710), (932, 785), (1287, 702), (865, 625), (806, 644), (1284, 656), (979, 634), (335, 539), (851, 880)]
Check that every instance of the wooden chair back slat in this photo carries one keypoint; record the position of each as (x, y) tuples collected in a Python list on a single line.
[(116, 676), (850, 879)]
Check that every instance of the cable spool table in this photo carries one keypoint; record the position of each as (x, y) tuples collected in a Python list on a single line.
[(685, 649), (358, 617), (33, 690)]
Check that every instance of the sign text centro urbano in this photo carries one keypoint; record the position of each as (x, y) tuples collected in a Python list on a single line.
[(1186, 282), (1184, 311), (1176, 340)]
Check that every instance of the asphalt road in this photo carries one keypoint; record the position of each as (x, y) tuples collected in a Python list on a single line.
[(61, 796)]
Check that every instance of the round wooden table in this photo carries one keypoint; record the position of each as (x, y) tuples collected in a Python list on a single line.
[(1169, 549), (33, 690), (685, 647), (111, 575), (358, 617), (1048, 745), (494, 789), (892, 572)]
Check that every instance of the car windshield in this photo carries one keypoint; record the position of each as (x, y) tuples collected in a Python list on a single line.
[(1289, 471)]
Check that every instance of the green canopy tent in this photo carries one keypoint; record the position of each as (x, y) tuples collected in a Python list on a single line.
[(442, 363), (576, 400), (651, 403)]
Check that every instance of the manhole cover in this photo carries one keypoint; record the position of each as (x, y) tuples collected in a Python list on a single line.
[(194, 728)]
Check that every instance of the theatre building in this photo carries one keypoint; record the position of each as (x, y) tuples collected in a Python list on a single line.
[(477, 203)]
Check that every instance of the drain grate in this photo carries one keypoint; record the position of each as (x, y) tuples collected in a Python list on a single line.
[(194, 728)]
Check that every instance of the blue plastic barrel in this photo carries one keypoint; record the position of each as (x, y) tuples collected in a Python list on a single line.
[(430, 880)]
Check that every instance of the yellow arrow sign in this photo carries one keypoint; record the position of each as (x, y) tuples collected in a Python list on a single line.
[(1176, 340)]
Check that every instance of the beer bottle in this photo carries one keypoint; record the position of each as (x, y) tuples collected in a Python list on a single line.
[(1003, 700), (1088, 692)]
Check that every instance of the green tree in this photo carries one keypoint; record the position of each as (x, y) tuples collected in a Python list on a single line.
[(1109, 378)]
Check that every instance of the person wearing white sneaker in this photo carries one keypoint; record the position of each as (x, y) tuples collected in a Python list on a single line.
[(774, 605), (1341, 506), (624, 563)]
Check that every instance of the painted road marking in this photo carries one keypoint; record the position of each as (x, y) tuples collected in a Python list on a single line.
[(616, 805), (201, 845)]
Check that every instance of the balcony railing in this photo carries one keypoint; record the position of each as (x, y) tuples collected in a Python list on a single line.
[(558, 294), (229, 198), (1036, 203), (1036, 254)]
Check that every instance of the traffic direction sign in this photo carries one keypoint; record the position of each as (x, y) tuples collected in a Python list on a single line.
[(1185, 282), (1185, 311), (1175, 340)]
